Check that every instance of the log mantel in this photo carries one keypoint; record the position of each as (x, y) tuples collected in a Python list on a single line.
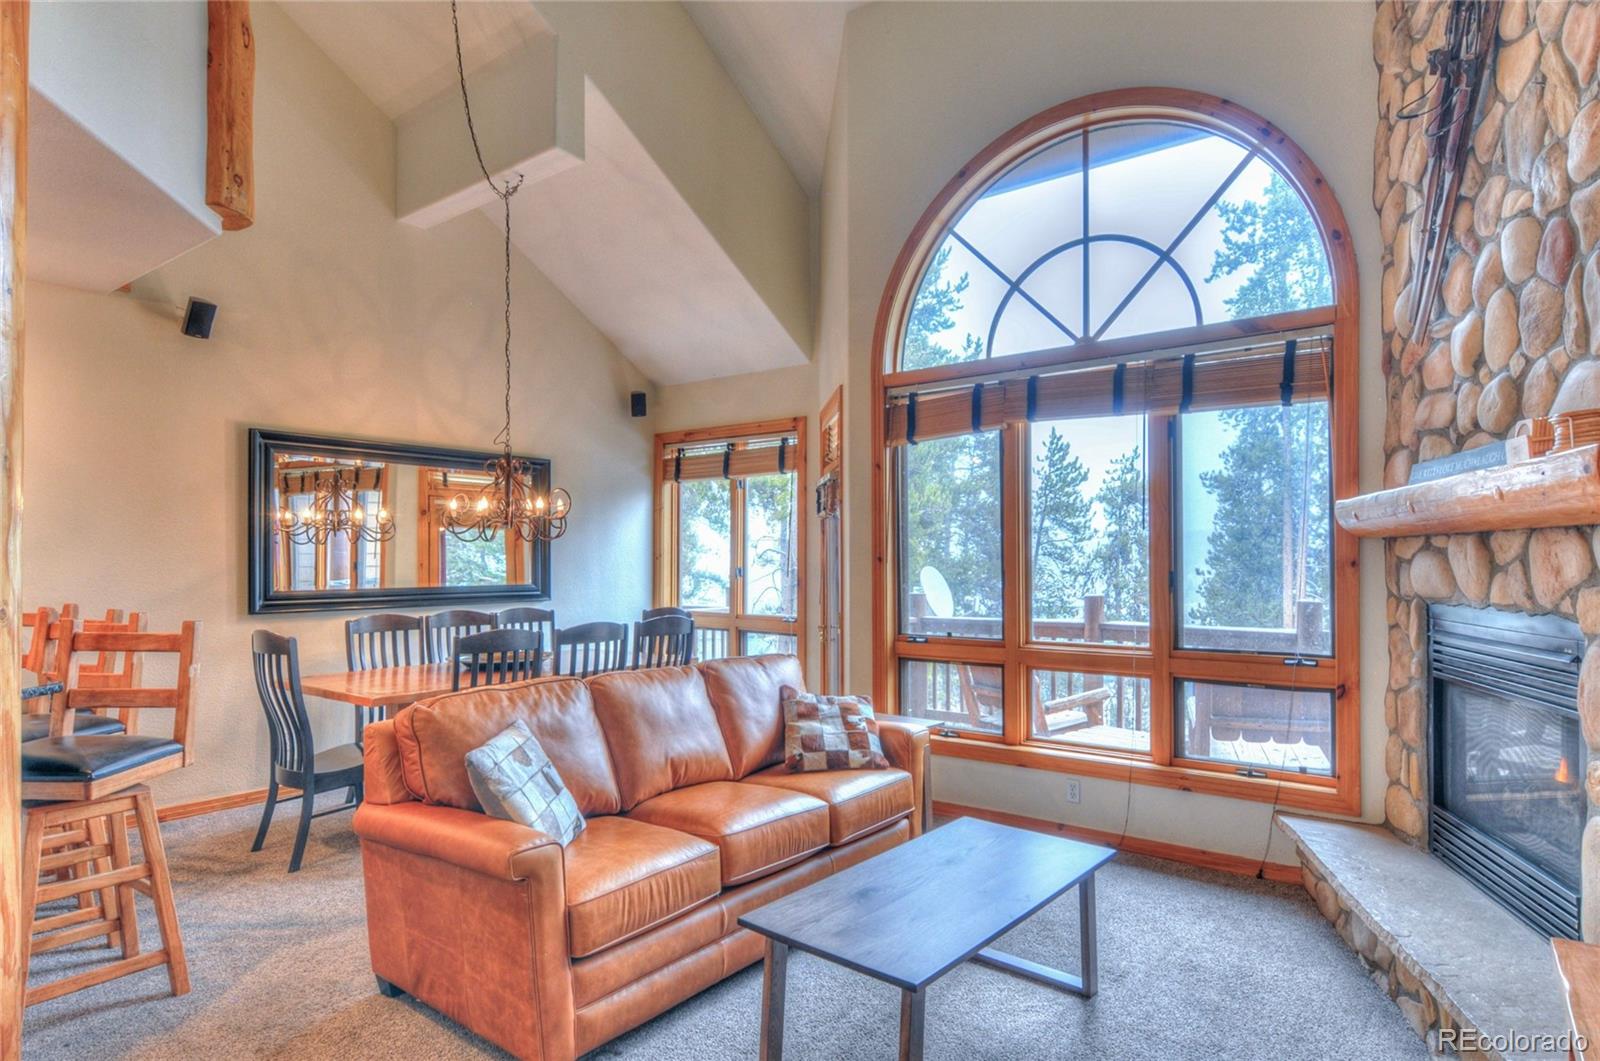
[(1560, 490)]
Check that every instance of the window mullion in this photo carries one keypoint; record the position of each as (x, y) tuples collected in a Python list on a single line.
[(1015, 577), (1160, 440)]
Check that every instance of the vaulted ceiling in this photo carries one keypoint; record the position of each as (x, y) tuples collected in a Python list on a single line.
[(784, 56), (670, 158)]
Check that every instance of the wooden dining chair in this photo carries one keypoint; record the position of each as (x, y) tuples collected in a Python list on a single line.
[(496, 657), (541, 619), (665, 641), (591, 648), (86, 786), (656, 613), (385, 640), (296, 763), (443, 628)]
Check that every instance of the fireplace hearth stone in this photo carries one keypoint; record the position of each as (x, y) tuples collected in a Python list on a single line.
[(1450, 956)]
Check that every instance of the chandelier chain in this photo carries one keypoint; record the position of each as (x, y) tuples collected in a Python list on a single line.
[(504, 194)]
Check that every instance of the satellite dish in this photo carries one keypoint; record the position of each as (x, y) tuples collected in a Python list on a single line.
[(941, 602)]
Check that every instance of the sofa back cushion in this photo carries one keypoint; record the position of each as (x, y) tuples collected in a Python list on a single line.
[(745, 694), (661, 731), (434, 737)]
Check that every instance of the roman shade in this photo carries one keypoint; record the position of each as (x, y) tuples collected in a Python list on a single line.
[(1281, 370), (729, 459)]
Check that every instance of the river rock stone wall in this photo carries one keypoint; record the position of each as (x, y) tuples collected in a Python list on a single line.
[(1515, 333)]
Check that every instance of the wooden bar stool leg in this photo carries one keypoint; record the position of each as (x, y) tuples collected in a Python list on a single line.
[(32, 850), (121, 858), (100, 837), (161, 888)]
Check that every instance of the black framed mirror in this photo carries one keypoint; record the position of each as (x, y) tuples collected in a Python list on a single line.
[(341, 523)]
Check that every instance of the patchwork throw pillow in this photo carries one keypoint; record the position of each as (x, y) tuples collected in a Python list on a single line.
[(515, 780), (829, 732)]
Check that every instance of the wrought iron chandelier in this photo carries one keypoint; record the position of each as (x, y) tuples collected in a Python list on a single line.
[(511, 502), (334, 509)]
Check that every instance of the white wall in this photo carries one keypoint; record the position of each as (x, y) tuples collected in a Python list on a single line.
[(923, 87), (134, 75), (335, 319)]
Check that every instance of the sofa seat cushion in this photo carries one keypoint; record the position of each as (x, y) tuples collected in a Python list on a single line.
[(859, 801), (624, 877), (758, 829)]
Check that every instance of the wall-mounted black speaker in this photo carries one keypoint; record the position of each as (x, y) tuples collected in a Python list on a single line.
[(198, 318), (636, 400)]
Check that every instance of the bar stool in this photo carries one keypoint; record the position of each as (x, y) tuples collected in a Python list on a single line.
[(79, 790)]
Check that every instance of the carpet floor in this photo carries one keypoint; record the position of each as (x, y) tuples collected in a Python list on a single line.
[(1192, 964)]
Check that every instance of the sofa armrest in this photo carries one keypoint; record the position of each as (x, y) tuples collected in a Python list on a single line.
[(494, 847), (468, 914), (906, 745)]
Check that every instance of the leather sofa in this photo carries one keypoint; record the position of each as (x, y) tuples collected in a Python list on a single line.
[(692, 820)]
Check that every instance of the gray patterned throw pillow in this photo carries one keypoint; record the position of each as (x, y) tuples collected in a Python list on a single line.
[(514, 779)]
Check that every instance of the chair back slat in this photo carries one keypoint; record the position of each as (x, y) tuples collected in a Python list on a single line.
[(444, 628), (385, 640), (591, 648), (541, 619), (495, 657), (178, 698), (276, 662), (665, 641)]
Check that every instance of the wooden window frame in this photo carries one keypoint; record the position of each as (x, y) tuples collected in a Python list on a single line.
[(1163, 664), (433, 500), (665, 561)]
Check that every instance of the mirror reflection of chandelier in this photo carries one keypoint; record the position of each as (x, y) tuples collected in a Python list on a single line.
[(333, 509), (511, 501)]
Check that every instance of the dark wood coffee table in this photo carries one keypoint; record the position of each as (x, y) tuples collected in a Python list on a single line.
[(910, 915)]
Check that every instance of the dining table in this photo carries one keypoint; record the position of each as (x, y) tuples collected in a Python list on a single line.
[(379, 692)]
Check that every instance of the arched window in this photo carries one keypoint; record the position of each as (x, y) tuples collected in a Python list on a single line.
[(1117, 381)]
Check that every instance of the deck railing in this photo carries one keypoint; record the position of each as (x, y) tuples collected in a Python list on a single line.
[(969, 695)]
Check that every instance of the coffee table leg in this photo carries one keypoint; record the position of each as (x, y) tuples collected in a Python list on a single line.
[(1089, 940), (1085, 984), (772, 988), (911, 1009)]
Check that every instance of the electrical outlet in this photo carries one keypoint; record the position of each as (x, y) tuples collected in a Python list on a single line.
[(1074, 791)]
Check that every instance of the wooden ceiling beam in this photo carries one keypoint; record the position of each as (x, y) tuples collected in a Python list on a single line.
[(230, 113)]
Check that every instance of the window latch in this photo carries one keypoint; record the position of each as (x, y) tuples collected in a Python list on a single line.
[(1300, 661), (917, 639)]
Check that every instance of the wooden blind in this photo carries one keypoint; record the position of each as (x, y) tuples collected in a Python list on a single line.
[(734, 459), (1295, 370)]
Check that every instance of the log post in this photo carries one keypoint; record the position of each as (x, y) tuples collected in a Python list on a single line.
[(230, 113), (14, 920)]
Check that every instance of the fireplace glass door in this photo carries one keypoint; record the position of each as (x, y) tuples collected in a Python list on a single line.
[(1513, 770), (1508, 804)]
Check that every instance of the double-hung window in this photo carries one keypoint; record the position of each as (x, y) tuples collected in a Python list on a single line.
[(730, 545), (1117, 392)]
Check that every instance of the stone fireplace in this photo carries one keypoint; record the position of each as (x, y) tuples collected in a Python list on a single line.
[(1505, 760), (1515, 334)]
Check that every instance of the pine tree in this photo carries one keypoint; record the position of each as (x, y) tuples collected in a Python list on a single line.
[(1268, 547), (1062, 521), (1122, 550), (931, 309)]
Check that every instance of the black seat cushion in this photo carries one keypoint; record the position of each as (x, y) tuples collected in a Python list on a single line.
[(86, 723), (91, 758)]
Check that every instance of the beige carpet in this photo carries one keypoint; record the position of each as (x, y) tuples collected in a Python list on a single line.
[(1193, 964)]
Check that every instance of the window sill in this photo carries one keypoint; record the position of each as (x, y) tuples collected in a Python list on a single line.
[(1329, 797)]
